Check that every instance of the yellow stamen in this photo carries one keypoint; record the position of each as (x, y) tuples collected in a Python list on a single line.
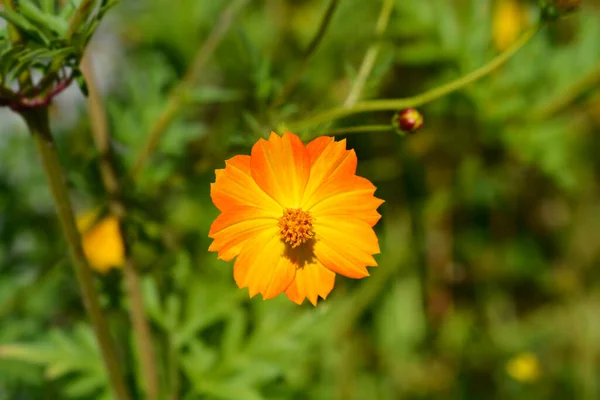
[(296, 226)]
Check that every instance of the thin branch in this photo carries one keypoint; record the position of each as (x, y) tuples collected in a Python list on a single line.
[(371, 55), (37, 121), (310, 51), (415, 101), (357, 129), (176, 99), (141, 328), (23, 102)]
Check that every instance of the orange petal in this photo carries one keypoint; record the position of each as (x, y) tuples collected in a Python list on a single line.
[(262, 266), (350, 196), (235, 187), (311, 281), (345, 245), (233, 228), (281, 166), (330, 161), (316, 147)]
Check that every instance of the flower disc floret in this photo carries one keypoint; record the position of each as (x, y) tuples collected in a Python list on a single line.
[(296, 227)]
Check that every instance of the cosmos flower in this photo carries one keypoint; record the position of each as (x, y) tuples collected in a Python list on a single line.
[(102, 241), (294, 216)]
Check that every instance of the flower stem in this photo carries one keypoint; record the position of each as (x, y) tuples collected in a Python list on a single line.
[(37, 121), (357, 129), (137, 314), (371, 55), (415, 101), (176, 97), (310, 51)]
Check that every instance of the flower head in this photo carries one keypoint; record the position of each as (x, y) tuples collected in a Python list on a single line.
[(293, 216)]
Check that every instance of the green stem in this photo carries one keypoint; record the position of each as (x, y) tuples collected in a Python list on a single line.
[(37, 121), (415, 101), (371, 55), (310, 51), (357, 129), (108, 174), (173, 368)]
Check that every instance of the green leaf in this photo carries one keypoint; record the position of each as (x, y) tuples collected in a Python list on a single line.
[(43, 20), (66, 12), (401, 321), (227, 391), (75, 354), (25, 27), (234, 333), (152, 301), (48, 6), (79, 78), (82, 386)]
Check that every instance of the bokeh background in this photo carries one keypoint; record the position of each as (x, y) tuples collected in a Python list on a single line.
[(488, 284)]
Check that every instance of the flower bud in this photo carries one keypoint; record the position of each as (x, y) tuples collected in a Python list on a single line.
[(408, 120)]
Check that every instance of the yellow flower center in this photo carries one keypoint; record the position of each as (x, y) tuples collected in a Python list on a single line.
[(296, 226)]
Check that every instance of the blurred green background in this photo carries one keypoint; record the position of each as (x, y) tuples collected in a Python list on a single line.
[(488, 284)]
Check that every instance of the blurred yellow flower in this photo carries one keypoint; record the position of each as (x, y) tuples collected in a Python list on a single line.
[(524, 367), (102, 241), (509, 18)]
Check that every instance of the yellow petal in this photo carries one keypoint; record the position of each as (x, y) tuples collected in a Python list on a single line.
[(103, 245), (330, 162), (235, 187), (281, 166), (233, 228), (262, 266), (345, 245), (312, 280), (351, 196)]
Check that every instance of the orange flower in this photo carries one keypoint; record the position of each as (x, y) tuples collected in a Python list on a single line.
[(294, 216)]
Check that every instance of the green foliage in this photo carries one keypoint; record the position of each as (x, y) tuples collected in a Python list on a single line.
[(74, 356), (489, 235), (45, 38)]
